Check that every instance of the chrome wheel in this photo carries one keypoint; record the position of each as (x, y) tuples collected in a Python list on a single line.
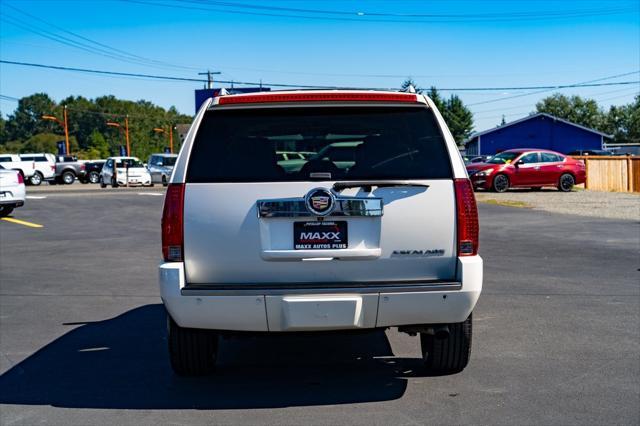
[(68, 178), (94, 177), (500, 183), (566, 183), (36, 179)]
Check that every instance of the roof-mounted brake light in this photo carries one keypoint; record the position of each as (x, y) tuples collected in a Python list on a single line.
[(318, 97)]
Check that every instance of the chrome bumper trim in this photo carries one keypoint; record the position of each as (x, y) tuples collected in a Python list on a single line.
[(315, 288), (345, 206)]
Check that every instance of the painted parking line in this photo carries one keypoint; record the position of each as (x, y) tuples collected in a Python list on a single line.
[(153, 194), (36, 197), (22, 222)]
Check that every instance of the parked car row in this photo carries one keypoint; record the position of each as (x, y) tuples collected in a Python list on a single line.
[(527, 168), (35, 168), (130, 171)]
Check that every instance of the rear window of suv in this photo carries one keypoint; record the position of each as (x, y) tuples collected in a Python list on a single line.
[(346, 143)]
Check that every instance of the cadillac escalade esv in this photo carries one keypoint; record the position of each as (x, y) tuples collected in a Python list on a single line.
[(380, 232)]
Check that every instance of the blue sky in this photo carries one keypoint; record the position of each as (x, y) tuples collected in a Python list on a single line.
[(537, 43)]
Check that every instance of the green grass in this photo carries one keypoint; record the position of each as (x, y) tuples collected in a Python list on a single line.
[(507, 203)]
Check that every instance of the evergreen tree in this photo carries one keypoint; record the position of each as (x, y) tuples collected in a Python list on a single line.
[(459, 118), (409, 82)]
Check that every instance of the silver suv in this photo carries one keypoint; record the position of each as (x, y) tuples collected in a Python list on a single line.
[(160, 167), (386, 239)]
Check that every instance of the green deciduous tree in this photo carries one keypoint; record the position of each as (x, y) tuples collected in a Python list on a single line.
[(623, 122), (27, 121), (576, 109), (87, 120)]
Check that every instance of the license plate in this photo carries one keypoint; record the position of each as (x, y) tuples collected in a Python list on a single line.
[(325, 235)]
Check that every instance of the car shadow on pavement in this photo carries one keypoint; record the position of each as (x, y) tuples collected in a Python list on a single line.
[(122, 363)]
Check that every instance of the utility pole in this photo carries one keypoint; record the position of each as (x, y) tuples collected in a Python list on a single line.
[(209, 75)]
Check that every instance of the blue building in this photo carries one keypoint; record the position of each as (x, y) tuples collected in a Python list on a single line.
[(541, 131)]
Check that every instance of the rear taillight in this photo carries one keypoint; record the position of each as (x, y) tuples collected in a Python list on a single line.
[(53, 168), (20, 178), (172, 223), (82, 166), (468, 229)]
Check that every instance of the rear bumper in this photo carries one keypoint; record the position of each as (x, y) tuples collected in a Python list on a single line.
[(321, 308), (144, 181), (13, 195)]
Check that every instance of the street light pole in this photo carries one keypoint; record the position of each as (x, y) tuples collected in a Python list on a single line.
[(126, 127), (171, 138), (66, 131), (64, 124), (169, 135)]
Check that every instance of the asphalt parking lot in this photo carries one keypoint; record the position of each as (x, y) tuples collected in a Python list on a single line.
[(82, 332)]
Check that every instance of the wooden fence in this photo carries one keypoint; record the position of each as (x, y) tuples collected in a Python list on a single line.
[(615, 174)]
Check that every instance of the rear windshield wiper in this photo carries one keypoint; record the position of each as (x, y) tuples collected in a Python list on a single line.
[(368, 184)]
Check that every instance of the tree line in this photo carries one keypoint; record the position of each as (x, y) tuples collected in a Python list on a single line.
[(89, 135), (622, 122)]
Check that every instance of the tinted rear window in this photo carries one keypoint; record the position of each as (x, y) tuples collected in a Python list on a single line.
[(346, 143)]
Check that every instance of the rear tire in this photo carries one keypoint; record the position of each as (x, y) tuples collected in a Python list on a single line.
[(36, 179), (68, 178), (164, 181), (500, 183), (566, 182), (450, 355), (192, 351), (102, 184), (94, 177), (114, 182), (5, 211)]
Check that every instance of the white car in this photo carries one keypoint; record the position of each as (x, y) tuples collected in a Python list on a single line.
[(45, 165), (128, 171), (12, 193), (14, 162), (390, 241)]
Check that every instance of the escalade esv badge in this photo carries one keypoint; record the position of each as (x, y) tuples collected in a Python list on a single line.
[(320, 201)]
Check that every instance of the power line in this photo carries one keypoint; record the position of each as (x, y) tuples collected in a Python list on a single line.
[(530, 111), (306, 86), (362, 17), (590, 83), (595, 96), (94, 47), (395, 15)]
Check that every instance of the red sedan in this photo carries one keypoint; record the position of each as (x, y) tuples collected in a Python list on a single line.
[(528, 168)]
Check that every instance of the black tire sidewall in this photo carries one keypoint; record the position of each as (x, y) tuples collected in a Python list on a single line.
[(560, 187)]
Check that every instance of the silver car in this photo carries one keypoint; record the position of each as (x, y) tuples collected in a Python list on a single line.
[(161, 166)]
